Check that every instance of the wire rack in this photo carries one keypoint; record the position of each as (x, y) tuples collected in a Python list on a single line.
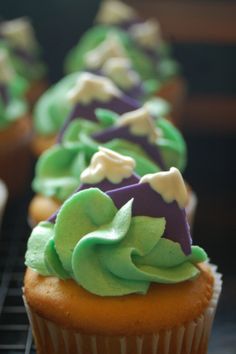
[(15, 332)]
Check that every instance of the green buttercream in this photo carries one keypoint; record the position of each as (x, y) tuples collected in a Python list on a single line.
[(75, 60), (58, 169), (107, 251), (53, 107)]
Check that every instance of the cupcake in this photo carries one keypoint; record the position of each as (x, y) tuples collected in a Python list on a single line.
[(18, 36), (115, 272), (15, 128), (153, 147), (77, 95)]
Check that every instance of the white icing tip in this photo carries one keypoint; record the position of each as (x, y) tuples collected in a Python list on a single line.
[(148, 33), (111, 47), (108, 164), (170, 185), (19, 32), (114, 12), (90, 87), (140, 123), (120, 71), (6, 70)]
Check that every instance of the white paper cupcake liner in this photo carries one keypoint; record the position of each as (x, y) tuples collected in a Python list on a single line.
[(191, 338)]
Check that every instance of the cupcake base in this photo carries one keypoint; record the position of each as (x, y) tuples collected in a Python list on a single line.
[(41, 208), (15, 156), (188, 338)]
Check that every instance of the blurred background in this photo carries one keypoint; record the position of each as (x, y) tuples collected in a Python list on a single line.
[(203, 38)]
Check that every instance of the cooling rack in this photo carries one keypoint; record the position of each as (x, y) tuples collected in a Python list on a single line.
[(15, 332)]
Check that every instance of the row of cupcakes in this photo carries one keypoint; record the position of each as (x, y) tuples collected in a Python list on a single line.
[(136, 65), (113, 270), (110, 263)]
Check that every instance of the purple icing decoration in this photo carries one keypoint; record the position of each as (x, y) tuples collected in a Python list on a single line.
[(4, 93), (119, 105), (104, 185), (123, 132), (147, 202)]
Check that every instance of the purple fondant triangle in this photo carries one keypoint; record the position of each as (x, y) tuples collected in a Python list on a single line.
[(147, 202), (104, 185), (123, 132), (119, 105)]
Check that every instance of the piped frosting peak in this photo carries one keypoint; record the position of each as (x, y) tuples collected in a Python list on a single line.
[(140, 123), (120, 71), (114, 12), (107, 164), (147, 34), (19, 32), (90, 87), (111, 47), (170, 185), (6, 70)]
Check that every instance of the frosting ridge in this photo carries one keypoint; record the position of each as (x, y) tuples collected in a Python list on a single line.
[(111, 47), (169, 184), (120, 71), (107, 164), (140, 123), (114, 12), (147, 33), (91, 87)]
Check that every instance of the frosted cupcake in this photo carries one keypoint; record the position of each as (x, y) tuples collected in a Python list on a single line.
[(18, 36), (115, 272), (77, 95), (15, 128), (134, 134)]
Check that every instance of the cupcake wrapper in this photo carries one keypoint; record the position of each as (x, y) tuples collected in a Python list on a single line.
[(192, 338)]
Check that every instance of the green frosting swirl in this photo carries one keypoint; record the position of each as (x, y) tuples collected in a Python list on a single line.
[(58, 169), (108, 251), (53, 107)]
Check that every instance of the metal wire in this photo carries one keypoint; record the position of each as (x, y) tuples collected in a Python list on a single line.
[(15, 332)]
